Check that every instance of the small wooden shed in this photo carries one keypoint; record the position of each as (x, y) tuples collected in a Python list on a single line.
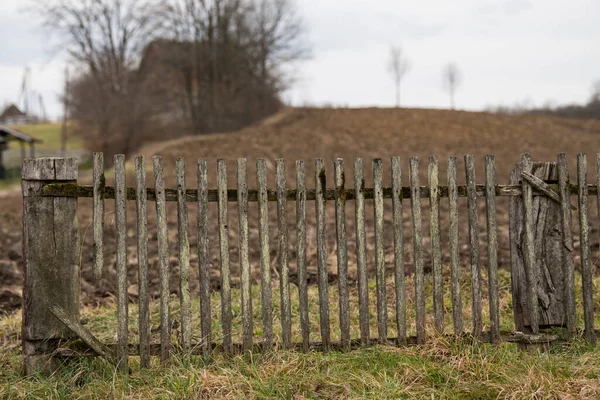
[(12, 115), (7, 135)]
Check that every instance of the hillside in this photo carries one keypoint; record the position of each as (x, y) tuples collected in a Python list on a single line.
[(308, 133)]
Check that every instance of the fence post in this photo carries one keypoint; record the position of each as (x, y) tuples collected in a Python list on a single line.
[(547, 271), (51, 261)]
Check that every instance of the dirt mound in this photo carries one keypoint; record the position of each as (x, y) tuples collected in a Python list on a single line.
[(305, 134)]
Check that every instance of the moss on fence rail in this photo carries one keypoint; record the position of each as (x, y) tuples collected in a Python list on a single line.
[(191, 195)]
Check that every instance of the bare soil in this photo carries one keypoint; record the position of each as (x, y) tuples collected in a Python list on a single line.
[(305, 134)]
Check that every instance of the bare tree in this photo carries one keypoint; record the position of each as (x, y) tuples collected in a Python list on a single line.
[(105, 38), (398, 66), (451, 80), (231, 54), (595, 92), (204, 65)]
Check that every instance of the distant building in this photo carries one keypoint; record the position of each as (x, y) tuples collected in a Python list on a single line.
[(13, 116), (7, 135)]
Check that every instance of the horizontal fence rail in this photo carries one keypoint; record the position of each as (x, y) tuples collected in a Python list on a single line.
[(529, 195), (191, 195)]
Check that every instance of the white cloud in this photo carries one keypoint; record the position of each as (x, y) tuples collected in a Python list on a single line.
[(508, 50)]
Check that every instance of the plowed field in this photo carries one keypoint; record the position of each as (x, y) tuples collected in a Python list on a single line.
[(305, 134)]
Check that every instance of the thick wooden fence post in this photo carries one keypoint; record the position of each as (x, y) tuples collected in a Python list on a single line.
[(51, 261), (547, 272)]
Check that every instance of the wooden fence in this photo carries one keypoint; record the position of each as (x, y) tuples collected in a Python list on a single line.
[(50, 191)]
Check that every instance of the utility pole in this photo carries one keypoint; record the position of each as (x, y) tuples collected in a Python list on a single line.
[(63, 135)]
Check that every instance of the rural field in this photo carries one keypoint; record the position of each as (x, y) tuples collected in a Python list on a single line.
[(448, 370), (305, 134)]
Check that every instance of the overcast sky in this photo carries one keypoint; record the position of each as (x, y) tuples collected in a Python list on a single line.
[(509, 51)]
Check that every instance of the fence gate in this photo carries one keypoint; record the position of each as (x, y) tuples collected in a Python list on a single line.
[(541, 239)]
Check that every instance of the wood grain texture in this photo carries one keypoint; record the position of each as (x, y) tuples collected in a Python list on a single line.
[(322, 276), (584, 237), (361, 251), (85, 335), (51, 270), (224, 254), (301, 253), (163, 259), (531, 267), (204, 257), (284, 270), (242, 185), (477, 305), (454, 247), (548, 271), (121, 225), (542, 187), (265, 255), (436, 246), (566, 247), (98, 213), (142, 253), (74, 190), (492, 247), (342, 253), (184, 258), (380, 276), (415, 203), (398, 251)]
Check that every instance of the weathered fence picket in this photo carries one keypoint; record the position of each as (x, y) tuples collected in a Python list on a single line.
[(527, 243), (454, 250), (530, 261), (492, 247), (142, 253), (204, 258), (226, 316), (474, 246), (284, 271), (265, 255), (322, 276), (342, 253), (163, 258), (398, 250), (361, 251), (436, 250), (184, 259), (301, 253), (380, 280), (121, 224), (242, 184), (415, 202), (98, 214), (567, 245), (584, 239)]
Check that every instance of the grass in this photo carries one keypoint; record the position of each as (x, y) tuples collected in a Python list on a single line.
[(441, 368), (50, 135), (6, 184)]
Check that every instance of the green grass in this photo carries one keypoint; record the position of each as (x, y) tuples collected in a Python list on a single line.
[(50, 135), (441, 368), (6, 184)]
